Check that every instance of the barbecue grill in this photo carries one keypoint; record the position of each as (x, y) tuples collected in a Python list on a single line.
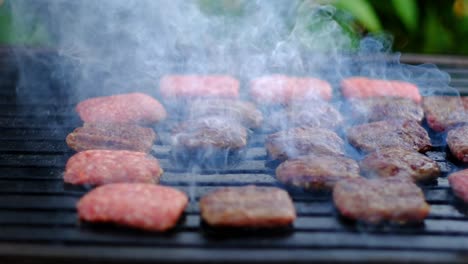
[(38, 221)]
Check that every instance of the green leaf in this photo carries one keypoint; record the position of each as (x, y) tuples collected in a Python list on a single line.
[(437, 38), (363, 11), (407, 11)]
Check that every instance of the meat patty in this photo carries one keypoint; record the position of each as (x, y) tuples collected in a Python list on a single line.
[(210, 132), (248, 206), (444, 112), (315, 113), (136, 108), (300, 141), (362, 87), (190, 86), (111, 136), (97, 167), (406, 134), (392, 199), (397, 162), (137, 205), (382, 108), (281, 89), (457, 140), (459, 183), (241, 111), (316, 171)]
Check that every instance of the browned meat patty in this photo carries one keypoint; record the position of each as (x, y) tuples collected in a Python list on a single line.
[(111, 136), (316, 172), (382, 108), (406, 134), (97, 167), (392, 199), (244, 112), (248, 206), (300, 141), (397, 162), (444, 112), (459, 183), (210, 132), (457, 140), (309, 114), (144, 206)]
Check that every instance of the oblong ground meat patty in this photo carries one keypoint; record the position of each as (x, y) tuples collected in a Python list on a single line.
[(282, 89), (444, 112), (316, 171), (457, 140), (189, 86), (382, 108), (406, 134), (136, 108), (362, 87), (97, 167), (392, 199), (248, 206), (459, 183), (315, 113), (143, 206), (397, 162), (244, 112), (111, 136), (210, 132), (300, 141)]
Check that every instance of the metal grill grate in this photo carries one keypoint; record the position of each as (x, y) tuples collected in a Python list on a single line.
[(38, 221)]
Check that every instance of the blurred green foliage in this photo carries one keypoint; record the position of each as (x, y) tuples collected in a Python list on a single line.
[(418, 26)]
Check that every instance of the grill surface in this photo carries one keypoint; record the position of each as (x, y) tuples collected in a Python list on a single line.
[(38, 222)]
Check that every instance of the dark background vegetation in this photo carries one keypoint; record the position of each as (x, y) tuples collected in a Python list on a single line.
[(417, 26)]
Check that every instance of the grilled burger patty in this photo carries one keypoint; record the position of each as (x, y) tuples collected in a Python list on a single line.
[(143, 206), (392, 199), (300, 141), (210, 132), (244, 112), (444, 112), (457, 140), (282, 89), (316, 171), (111, 136), (248, 206), (397, 162), (136, 108), (382, 108), (195, 86), (459, 183), (97, 167), (315, 113), (362, 87), (406, 134)]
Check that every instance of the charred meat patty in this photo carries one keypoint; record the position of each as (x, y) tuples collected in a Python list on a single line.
[(137, 205), (382, 108), (457, 140), (111, 136), (406, 134), (136, 108), (243, 112), (300, 141), (97, 167), (248, 206), (362, 87), (398, 162), (316, 171), (444, 112), (393, 199), (459, 183)]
